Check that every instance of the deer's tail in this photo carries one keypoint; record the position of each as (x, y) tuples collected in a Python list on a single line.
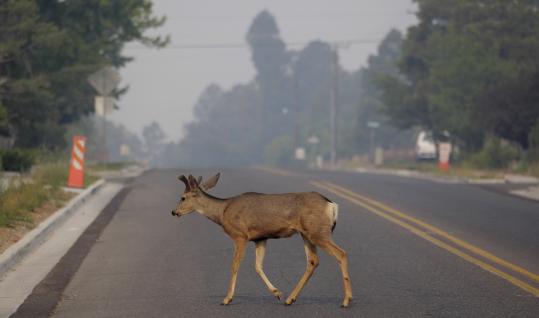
[(333, 209)]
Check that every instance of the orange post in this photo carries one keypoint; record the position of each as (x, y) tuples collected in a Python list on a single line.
[(76, 167), (444, 155), (443, 166)]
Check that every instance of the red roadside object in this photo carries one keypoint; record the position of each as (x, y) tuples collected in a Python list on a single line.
[(76, 166), (444, 156)]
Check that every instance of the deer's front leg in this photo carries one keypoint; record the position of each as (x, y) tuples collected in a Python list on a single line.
[(260, 252), (239, 251)]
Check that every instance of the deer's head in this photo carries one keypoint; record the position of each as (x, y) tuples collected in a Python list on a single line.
[(192, 197)]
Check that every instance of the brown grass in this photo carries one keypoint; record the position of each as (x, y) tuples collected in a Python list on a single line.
[(12, 234)]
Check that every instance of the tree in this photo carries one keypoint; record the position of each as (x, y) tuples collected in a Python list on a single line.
[(371, 103), (271, 61), (471, 68), (47, 50), (312, 80), (154, 138), (256, 122), (225, 131), (117, 136), (26, 93)]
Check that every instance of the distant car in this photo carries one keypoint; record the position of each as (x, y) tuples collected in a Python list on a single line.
[(425, 147)]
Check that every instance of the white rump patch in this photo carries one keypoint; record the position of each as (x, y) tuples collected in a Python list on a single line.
[(333, 211)]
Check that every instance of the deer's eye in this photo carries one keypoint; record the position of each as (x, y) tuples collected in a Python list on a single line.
[(183, 199)]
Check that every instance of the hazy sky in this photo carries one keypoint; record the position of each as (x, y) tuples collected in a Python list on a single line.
[(165, 84)]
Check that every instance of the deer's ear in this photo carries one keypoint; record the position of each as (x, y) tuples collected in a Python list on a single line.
[(211, 182)]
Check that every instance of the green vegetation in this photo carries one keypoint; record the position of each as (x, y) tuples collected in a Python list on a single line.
[(18, 160), (47, 51), (494, 155), (31, 192), (469, 68)]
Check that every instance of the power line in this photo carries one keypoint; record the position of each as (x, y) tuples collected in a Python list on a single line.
[(195, 46), (287, 17)]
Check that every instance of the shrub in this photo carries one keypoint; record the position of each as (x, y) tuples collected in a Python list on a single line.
[(533, 140), (494, 155), (19, 160), (280, 151)]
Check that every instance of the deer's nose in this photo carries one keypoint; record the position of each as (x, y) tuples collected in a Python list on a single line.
[(174, 213)]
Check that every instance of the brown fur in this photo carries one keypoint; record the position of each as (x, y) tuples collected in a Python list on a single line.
[(257, 217)]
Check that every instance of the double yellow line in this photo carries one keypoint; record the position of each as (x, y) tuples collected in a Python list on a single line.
[(435, 235), (276, 171)]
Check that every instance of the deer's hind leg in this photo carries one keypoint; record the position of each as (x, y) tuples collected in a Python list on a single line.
[(260, 252), (333, 249), (312, 263)]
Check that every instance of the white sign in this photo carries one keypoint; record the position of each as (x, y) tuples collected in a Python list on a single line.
[(104, 105), (319, 162), (105, 80), (299, 154), (373, 124), (313, 140), (124, 150)]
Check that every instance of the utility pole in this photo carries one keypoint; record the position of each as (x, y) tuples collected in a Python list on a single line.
[(296, 111), (333, 104)]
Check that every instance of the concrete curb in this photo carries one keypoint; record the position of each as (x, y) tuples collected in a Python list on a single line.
[(531, 193), (411, 174), (35, 237), (508, 179)]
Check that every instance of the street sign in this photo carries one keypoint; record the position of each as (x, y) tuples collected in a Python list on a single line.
[(104, 105), (373, 124), (313, 140), (105, 80), (299, 154)]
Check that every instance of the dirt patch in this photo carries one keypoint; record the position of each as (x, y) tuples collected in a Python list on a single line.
[(11, 235)]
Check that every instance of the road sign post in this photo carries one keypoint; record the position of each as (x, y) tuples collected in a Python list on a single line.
[(104, 82), (373, 125)]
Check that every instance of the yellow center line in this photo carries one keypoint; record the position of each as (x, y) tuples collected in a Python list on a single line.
[(441, 233), (276, 171), (417, 231)]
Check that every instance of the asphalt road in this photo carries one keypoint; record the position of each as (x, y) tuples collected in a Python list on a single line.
[(416, 249)]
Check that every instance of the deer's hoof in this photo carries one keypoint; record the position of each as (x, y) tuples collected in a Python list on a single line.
[(346, 302), (226, 301), (277, 294), (290, 301)]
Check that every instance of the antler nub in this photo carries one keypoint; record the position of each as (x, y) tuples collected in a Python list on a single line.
[(193, 184), (183, 179)]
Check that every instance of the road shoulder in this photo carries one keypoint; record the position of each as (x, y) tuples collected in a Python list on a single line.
[(17, 283)]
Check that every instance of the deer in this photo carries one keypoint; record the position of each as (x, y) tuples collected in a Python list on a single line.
[(258, 217)]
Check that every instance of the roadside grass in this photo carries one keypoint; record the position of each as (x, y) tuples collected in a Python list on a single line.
[(531, 169), (467, 170), (43, 186), (462, 170)]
